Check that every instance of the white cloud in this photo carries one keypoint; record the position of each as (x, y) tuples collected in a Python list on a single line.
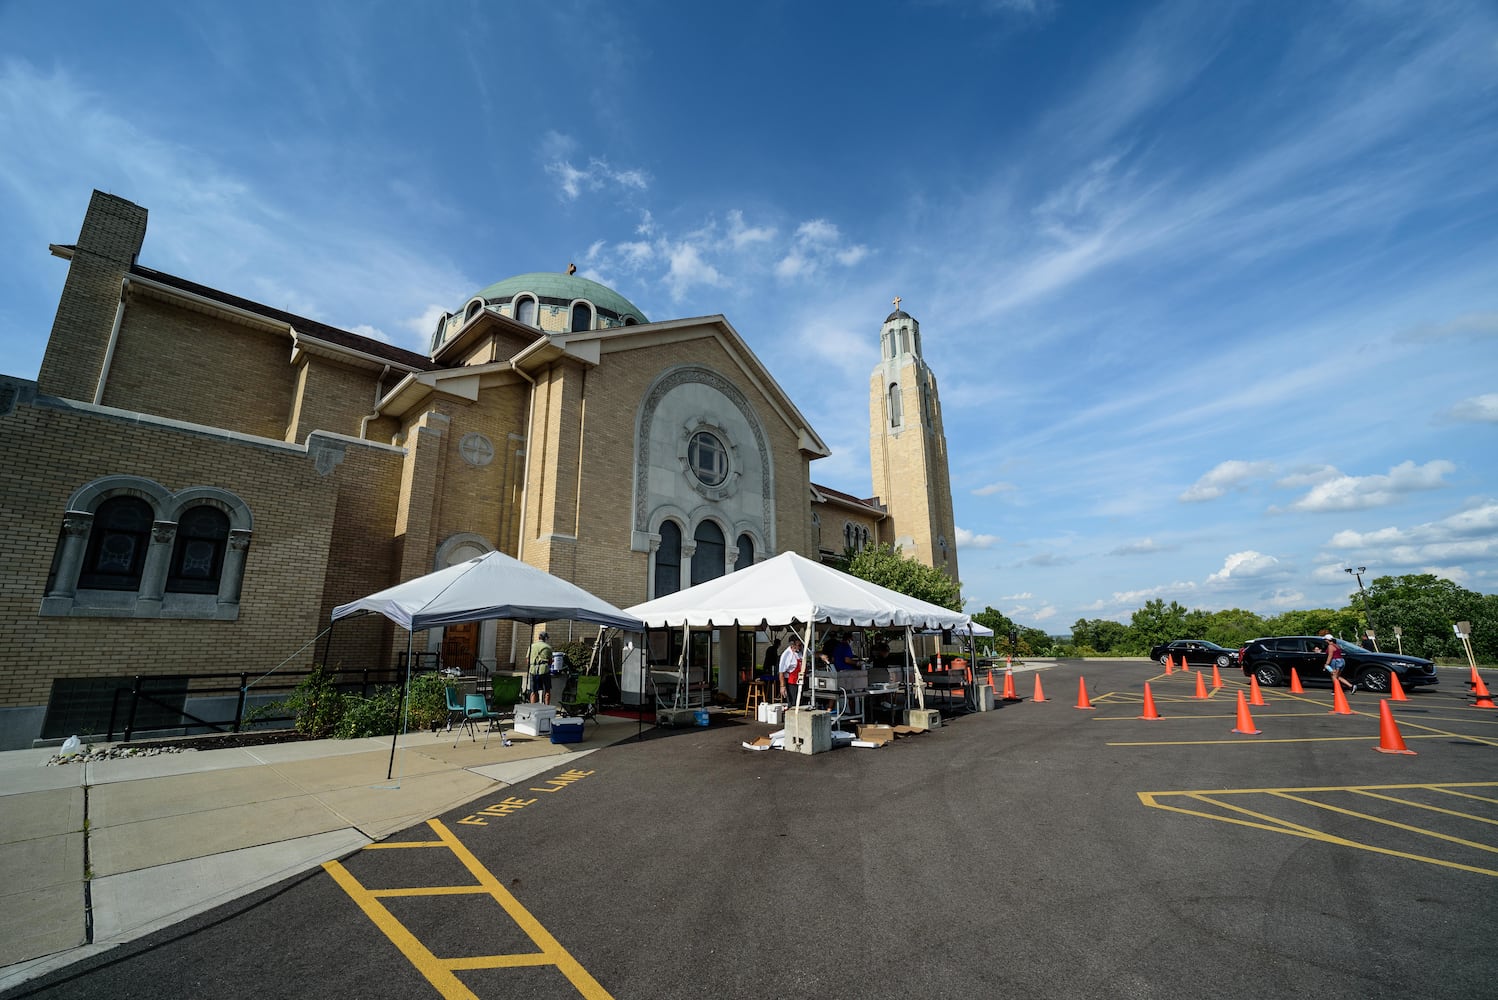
[(1245, 565), (688, 269), (1477, 410), (992, 488), (1469, 326), (1310, 475), (1143, 546), (817, 244), (595, 177), (1225, 476), (1470, 534), (1046, 612), (1362, 492), (1018, 597), (968, 540), (741, 235), (1283, 599), (1137, 598)]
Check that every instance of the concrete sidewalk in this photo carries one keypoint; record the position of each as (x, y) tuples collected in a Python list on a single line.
[(98, 853)]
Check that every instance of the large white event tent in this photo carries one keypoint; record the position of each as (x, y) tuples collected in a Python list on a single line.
[(492, 585), (791, 590)]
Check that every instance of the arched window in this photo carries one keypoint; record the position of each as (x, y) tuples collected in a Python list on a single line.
[(893, 346), (473, 310), (525, 310), (746, 553), (117, 545), (668, 560), (894, 404), (711, 557), (582, 317), (198, 556), (847, 534), (631, 321), (904, 340)]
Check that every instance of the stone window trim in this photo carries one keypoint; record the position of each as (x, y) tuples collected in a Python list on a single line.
[(64, 598), (658, 390), (687, 524), (573, 309), (730, 482)]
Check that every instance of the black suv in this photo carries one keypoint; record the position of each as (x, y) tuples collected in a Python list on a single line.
[(1270, 661), (1195, 651)]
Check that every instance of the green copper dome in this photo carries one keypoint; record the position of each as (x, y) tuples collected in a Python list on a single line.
[(563, 289)]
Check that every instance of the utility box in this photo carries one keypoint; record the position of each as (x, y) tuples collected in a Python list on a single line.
[(983, 694), (808, 730), (923, 718)]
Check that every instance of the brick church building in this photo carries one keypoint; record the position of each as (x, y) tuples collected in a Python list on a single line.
[(197, 479)]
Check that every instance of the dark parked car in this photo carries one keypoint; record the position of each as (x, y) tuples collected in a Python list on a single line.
[(1197, 652), (1270, 661)]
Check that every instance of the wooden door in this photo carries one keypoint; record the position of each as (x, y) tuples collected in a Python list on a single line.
[(459, 644)]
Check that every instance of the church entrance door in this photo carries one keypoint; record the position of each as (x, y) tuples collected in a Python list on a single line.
[(459, 646)]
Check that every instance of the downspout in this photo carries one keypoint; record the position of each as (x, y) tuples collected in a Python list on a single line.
[(379, 391), (114, 338)]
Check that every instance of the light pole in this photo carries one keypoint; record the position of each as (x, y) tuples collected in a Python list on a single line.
[(1361, 592)]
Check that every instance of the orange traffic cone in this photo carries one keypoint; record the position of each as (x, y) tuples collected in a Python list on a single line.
[(1082, 701), (1009, 694), (1339, 700), (1256, 698), (1149, 704), (1245, 721), (1216, 678), (1484, 700), (1396, 689), (1476, 679), (1185, 666), (1170, 665), (1009, 661), (1039, 694), (1201, 686), (1295, 687), (990, 677), (1389, 740)]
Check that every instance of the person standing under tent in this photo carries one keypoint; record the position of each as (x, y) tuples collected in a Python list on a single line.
[(789, 669), (772, 660), (540, 670)]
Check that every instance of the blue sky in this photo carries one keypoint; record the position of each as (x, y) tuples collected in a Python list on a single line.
[(1211, 290)]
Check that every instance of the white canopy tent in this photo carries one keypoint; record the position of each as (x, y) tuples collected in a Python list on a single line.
[(792, 590), (492, 585)]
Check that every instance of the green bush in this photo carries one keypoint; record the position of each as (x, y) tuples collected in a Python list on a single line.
[(372, 716), (316, 704), (579, 654)]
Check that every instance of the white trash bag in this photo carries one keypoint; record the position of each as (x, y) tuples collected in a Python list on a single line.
[(70, 746)]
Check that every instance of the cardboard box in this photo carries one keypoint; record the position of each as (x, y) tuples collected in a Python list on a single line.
[(534, 720), (567, 730), (876, 734)]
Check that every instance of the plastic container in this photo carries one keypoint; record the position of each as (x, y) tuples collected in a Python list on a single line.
[(567, 730)]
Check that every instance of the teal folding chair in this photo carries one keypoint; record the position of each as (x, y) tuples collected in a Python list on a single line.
[(454, 707), (476, 710)]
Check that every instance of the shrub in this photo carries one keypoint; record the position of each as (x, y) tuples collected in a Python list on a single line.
[(315, 703)]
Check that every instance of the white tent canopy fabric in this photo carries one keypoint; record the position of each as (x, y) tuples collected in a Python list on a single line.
[(791, 588), (492, 585)]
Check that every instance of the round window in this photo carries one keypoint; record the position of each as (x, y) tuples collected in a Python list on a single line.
[(708, 458)]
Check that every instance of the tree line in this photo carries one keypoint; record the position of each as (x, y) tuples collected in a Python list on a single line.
[(1424, 607)]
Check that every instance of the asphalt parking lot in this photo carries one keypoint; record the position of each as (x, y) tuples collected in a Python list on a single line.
[(1039, 850)]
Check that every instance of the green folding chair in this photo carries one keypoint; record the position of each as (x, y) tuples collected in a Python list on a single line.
[(584, 702), (504, 694)]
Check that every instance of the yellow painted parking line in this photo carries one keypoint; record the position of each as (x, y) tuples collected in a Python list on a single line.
[(1248, 741), (440, 972), (1258, 819)]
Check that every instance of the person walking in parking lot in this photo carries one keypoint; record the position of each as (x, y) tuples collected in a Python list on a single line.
[(1335, 661)]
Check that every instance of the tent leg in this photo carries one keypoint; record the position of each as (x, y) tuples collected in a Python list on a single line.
[(410, 640)]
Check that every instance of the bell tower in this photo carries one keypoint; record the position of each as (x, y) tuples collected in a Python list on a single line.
[(908, 448)]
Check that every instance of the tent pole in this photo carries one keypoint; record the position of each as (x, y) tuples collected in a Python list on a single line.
[(327, 646), (410, 640), (644, 662)]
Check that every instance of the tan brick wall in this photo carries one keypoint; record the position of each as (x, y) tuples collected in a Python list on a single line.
[(186, 365), (333, 397), (318, 540), (112, 232)]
